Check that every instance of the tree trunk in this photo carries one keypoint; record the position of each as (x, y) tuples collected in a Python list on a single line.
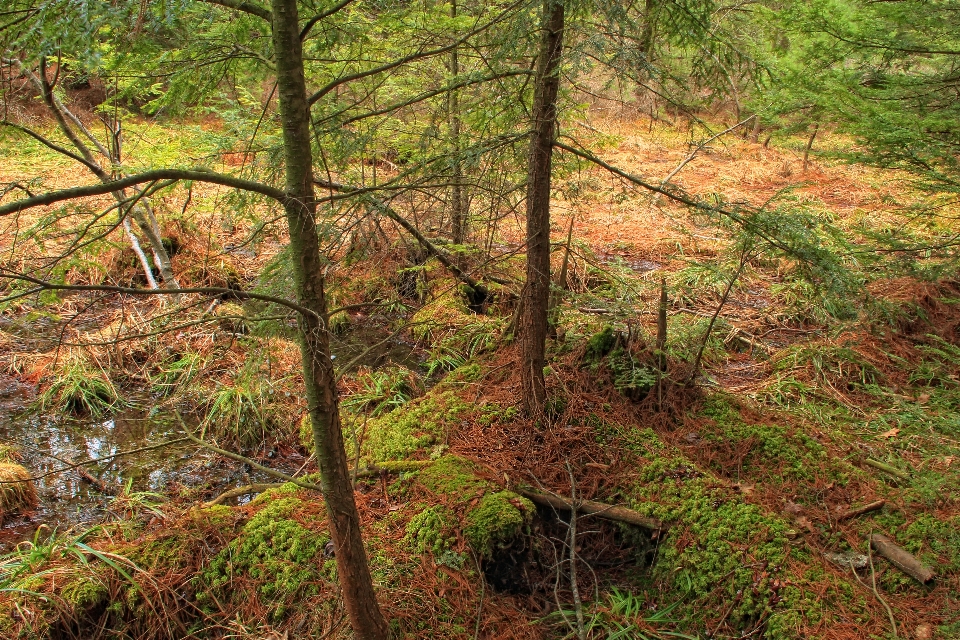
[(355, 581), (536, 293), (458, 202)]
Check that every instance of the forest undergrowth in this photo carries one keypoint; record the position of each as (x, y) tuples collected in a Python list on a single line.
[(808, 400)]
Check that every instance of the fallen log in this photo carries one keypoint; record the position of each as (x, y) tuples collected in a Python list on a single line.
[(859, 511), (901, 558), (589, 507), (242, 491)]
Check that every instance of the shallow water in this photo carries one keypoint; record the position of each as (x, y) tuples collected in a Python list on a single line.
[(48, 443)]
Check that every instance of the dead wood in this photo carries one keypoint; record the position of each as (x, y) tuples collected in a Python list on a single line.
[(901, 558), (589, 507), (886, 468), (859, 511)]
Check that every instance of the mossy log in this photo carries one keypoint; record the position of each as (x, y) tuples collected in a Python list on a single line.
[(589, 507), (16, 489)]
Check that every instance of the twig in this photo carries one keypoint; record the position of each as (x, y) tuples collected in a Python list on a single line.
[(806, 152), (867, 508), (68, 466), (574, 587), (873, 587), (693, 154), (250, 461), (713, 319), (483, 582)]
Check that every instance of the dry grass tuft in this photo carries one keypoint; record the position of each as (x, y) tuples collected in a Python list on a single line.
[(16, 490)]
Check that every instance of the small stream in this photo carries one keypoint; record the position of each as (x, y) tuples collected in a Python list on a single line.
[(47, 442)]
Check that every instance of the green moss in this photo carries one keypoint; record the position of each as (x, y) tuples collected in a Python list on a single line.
[(936, 542), (719, 550), (491, 517), (773, 452), (417, 425), (453, 476), (84, 592), (600, 345), (285, 490), (431, 530), (274, 550), (496, 520)]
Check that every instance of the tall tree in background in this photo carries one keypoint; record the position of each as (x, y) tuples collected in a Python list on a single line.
[(536, 293)]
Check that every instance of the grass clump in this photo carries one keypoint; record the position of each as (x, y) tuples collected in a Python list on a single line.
[(81, 389), (16, 489)]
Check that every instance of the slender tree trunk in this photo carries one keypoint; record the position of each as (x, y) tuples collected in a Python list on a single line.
[(806, 151), (142, 212), (355, 581), (458, 202), (536, 293)]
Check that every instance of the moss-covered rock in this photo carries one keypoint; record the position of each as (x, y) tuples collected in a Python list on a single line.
[(496, 521)]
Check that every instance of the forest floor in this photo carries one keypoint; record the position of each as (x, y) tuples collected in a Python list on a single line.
[(816, 397)]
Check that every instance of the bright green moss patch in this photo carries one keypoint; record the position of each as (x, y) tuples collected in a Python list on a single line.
[(489, 517), (496, 521), (455, 477), (84, 592), (417, 425), (431, 530), (274, 550)]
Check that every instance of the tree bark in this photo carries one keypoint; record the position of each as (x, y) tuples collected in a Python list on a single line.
[(354, 573), (459, 225), (536, 293)]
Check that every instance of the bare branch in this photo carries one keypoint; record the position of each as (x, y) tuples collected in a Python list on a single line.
[(196, 175), (42, 285), (252, 8)]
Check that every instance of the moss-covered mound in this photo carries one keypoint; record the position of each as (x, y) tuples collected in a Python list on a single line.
[(458, 505)]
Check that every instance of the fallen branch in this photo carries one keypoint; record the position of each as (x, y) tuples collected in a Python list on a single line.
[(859, 511), (101, 486), (901, 558), (366, 472), (242, 491), (886, 468), (591, 508)]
